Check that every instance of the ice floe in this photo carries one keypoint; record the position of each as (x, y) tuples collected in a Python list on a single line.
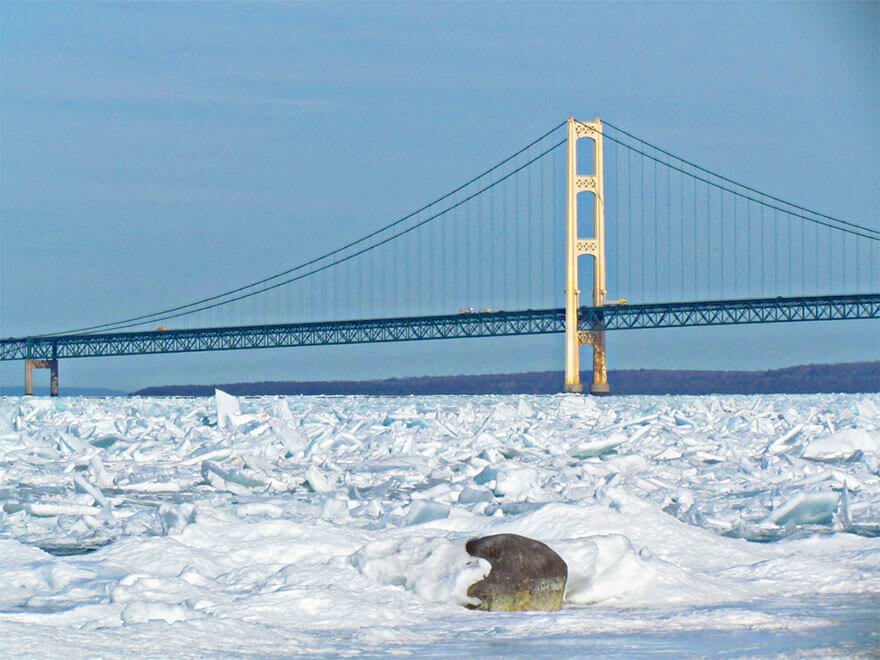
[(323, 521)]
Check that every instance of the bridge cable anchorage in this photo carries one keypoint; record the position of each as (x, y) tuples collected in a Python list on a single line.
[(724, 178), (875, 237), (160, 315)]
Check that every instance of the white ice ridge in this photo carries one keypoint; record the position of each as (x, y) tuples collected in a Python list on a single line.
[(316, 520)]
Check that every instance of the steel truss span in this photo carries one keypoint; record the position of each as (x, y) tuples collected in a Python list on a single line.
[(454, 326)]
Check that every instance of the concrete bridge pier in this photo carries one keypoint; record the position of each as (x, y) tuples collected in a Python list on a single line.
[(30, 365)]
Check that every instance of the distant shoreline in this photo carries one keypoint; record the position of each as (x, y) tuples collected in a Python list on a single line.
[(850, 377)]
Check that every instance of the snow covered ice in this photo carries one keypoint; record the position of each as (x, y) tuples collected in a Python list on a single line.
[(721, 526)]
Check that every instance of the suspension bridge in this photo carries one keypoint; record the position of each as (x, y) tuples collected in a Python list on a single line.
[(683, 246)]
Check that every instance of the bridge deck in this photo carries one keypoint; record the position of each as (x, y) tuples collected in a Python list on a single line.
[(529, 322)]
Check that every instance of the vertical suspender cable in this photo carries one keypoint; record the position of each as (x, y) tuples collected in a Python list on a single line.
[(656, 239), (343, 305), (789, 286), (480, 248), (629, 226), (873, 279), (531, 239), (557, 221), (461, 291), (858, 267), (642, 230), (749, 244), (656, 246), (777, 257), (723, 242), (496, 285), (708, 241), (463, 245), (669, 237), (762, 262), (517, 227), (615, 225), (680, 246), (505, 252), (735, 251), (803, 259), (542, 222), (486, 240), (694, 254)]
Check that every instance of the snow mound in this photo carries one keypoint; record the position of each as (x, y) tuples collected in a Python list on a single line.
[(437, 569)]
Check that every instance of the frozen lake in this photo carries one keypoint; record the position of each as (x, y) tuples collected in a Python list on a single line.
[(720, 526)]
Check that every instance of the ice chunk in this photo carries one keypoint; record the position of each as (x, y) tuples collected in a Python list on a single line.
[(784, 443), (151, 486), (227, 409), (70, 444), (234, 481), (708, 457), (844, 520), (486, 475), (422, 512), (806, 508), (102, 479), (48, 509), (842, 444), (334, 509), (290, 436), (207, 453), (470, 495), (598, 446), (141, 612), (83, 486), (669, 454), (516, 482), (578, 406), (175, 519), (320, 481)]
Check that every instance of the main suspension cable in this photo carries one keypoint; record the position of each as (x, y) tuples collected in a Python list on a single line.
[(736, 183), (135, 322), (161, 315), (740, 185)]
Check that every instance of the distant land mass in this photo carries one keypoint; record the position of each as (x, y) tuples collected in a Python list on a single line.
[(806, 379), (65, 391)]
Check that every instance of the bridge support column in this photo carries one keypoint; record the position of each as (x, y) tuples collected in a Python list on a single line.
[(30, 365), (596, 339), (575, 247)]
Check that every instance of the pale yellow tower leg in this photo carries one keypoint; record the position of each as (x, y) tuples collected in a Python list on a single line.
[(576, 247)]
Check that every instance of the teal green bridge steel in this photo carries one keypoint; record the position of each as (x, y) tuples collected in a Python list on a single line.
[(452, 326)]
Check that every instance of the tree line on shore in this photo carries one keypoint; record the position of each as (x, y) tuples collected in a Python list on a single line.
[(806, 379)]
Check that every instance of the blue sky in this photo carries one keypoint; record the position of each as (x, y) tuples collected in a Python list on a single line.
[(156, 153)]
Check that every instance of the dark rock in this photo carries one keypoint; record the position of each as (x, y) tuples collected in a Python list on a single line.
[(526, 574)]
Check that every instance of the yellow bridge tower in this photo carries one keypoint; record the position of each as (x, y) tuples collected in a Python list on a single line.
[(575, 247)]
